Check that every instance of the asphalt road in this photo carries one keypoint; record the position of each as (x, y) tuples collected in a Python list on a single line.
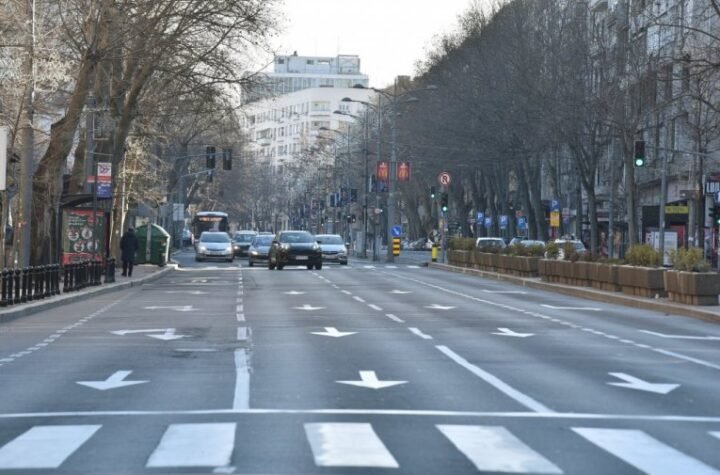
[(366, 368)]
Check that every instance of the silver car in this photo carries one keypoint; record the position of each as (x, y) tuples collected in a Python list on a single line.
[(259, 249), (214, 245), (333, 248)]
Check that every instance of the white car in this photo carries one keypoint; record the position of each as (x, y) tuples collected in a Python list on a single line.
[(490, 242), (214, 245), (333, 248), (578, 245)]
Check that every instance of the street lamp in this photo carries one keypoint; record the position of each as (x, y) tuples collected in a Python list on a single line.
[(394, 98)]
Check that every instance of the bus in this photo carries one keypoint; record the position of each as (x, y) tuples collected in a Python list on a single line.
[(209, 221)]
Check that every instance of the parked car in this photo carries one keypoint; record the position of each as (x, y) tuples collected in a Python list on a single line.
[(490, 242), (532, 242), (333, 248), (516, 240), (422, 244), (259, 249), (577, 244), (242, 241), (294, 248), (214, 245)]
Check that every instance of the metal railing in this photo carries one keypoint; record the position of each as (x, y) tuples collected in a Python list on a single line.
[(27, 284)]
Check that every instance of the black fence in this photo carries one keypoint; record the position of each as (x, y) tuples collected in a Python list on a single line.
[(35, 283)]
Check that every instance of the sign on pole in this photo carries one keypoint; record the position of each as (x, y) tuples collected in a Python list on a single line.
[(403, 171), (4, 133), (104, 180), (479, 216), (555, 219), (396, 231), (503, 221), (488, 221), (444, 179), (383, 171)]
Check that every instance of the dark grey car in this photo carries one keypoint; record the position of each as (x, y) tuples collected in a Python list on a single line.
[(259, 249)]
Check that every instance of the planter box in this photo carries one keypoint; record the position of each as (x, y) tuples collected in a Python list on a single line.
[(693, 288), (642, 281), (604, 277), (459, 258)]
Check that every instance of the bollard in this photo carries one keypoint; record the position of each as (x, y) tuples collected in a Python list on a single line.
[(4, 296), (24, 283), (39, 282), (110, 273), (55, 279), (28, 283), (434, 252), (47, 281), (16, 285)]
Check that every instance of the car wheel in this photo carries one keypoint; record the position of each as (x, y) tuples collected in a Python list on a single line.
[(271, 266), (309, 266), (251, 263), (318, 266), (343, 263)]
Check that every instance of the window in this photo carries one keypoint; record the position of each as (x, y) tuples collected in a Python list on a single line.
[(321, 106), (281, 61)]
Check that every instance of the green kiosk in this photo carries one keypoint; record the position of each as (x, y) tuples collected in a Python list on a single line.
[(154, 246)]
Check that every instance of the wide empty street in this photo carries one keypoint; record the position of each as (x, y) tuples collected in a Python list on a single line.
[(365, 368)]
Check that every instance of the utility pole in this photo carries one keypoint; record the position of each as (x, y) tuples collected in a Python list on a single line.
[(28, 139)]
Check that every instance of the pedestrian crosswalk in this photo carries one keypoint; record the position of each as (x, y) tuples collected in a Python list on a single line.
[(485, 448)]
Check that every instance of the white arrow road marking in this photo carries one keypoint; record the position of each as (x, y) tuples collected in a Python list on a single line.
[(400, 292), (368, 379), (177, 308), (439, 307), (168, 335), (113, 382), (635, 383), (347, 444), (333, 332), (294, 292), (504, 291), (308, 307), (681, 337), (189, 292), (592, 309), (643, 452), (44, 446), (508, 332), (154, 330)]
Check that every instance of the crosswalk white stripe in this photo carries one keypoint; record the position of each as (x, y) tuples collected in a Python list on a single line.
[(347, 444), (45, 446), (644, 452), (495, 449), (195, 445), (715, 434)]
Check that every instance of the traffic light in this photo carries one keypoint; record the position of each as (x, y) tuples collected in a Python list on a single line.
[(432, 192), (444, 202), (639, 156), (714, 215), (227, 159), (210, 157)]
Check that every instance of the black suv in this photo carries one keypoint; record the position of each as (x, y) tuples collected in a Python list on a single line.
[(294, 248)]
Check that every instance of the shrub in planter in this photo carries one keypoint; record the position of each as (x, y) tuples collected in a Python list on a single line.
[(689, 282), (552, 250), (642, 255), (461, 244)]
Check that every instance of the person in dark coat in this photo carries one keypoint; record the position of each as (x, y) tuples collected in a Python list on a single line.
[(128, 248)]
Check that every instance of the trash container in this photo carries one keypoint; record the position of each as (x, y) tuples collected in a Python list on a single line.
[(153, 248)]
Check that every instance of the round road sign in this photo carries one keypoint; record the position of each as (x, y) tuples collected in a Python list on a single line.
[(444, 178)]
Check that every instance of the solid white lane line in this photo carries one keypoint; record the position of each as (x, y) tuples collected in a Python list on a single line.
[(643, 452), (347, 444), (195, 445), (346, 292), (242, 333), (495, 449), (359, 299), (686, 358), (494, 381), (375, 307), (241, 399), (420, 334), (394, 318), (45, 446)]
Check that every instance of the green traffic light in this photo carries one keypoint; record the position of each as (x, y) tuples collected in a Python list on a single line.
[(639, 162)]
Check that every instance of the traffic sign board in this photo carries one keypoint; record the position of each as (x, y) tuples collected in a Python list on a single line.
[(444, 178), (503, 221), (396, 231)]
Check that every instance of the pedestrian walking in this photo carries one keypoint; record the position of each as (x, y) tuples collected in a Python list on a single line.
[(128, 248)]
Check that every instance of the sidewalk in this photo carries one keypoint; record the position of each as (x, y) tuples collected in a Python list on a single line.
[(141, 274), (708, 313)]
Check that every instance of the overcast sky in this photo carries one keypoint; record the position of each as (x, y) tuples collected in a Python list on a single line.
[(390, 36)]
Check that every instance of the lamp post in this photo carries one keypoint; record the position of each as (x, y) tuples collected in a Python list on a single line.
[(394, 98)]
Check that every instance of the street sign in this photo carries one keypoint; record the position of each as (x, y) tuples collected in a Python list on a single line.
[(521, 223), (488, 221), (555, 219), (383, 171), (444, 178), (403, 171), (554, 205), (480, 217), (503, 221), (396, 231)]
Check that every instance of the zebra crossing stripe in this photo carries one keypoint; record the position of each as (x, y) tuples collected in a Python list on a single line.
[(347, 444), (44, 446), (495, 449), (643, 452), (195, 445)]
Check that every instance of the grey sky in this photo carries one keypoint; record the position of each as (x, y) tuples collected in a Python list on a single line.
[(390, 36)]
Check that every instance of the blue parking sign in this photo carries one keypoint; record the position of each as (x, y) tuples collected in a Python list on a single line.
[(503, 221), (480, 217), (554, 204), (521, 223), (488, 221)]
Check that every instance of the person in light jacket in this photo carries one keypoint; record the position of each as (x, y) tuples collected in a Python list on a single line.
[(128, 248)]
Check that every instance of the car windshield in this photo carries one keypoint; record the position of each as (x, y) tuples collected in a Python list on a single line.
[(490, 243), (330, 239), (262, 241), (215, 237), (244, 237), (579, 246), (299, 237)]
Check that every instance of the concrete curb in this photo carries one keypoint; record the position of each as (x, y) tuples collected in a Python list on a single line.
[(23, 310), (659, 305)]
